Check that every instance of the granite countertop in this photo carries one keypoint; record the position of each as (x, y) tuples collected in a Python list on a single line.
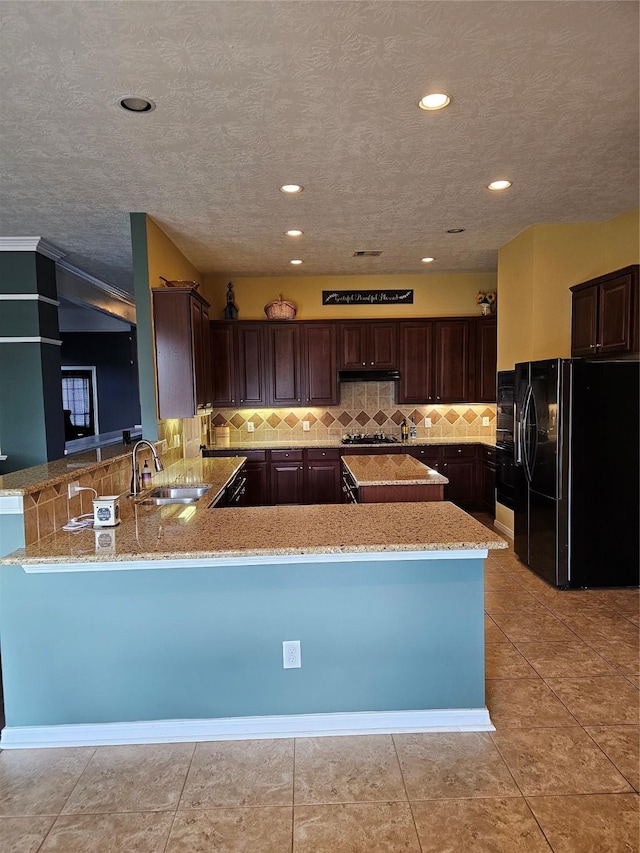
[(391, 469), (318, 443), (179, 532)]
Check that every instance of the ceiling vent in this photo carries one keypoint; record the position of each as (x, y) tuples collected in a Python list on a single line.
[(368, 253)]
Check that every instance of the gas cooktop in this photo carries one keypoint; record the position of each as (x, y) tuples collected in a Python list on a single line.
[(379, 438)]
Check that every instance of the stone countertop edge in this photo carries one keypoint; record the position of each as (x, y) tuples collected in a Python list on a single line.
[(408, 471), (264, 532), (321, 444)]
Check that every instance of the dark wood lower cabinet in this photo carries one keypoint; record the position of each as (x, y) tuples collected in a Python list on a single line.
[(313, 475), (322, 477), (287, 477)]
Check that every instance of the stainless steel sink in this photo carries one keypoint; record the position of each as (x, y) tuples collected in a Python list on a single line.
[(175, 494)]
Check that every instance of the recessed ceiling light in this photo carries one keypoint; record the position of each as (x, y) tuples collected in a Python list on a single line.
[(134, 104), (428, 260), (294, 232), (455, 230), (499, 185), (295, 262), (434, 102), (291, 189)]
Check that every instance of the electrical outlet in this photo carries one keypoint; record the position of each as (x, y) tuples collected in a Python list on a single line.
[(485, 422), (427, 422), (73, 489), (251, 427), (305, 426), (291, 654)]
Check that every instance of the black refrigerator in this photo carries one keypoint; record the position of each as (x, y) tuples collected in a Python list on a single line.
[(577, 499)]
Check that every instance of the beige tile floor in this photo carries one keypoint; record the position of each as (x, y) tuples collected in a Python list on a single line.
[(561, 771)]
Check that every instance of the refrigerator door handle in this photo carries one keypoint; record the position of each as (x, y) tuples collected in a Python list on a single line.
[(518, 443), (524, 430)]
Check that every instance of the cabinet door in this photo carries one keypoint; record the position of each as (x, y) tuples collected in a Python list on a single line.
[(319, 364), (614, 316), (207, 376), (452, 361), (382, 349), (250, 374), (323, 477), (284, 365), (488, 488), (198, 352), (287, 483), (223, 364), (416, 362), (352, 343), (486, 359), (584, 322), (257, 485), (461, 474)]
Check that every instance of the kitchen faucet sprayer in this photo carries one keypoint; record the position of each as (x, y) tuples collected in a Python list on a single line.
[(135, 474)]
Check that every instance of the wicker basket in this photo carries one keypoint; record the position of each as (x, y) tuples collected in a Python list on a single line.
[(280, 310)]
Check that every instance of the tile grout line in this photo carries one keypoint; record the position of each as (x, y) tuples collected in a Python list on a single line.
[(406, 793), (175, 812)]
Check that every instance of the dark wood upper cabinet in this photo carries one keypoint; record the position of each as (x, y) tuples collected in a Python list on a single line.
[(416, 383), (223, 364), (250, 365), (486, 357), (183, 366), (452, 361), (368, 344), (284, 368), (604, 315), (320, 377), (436, 361)]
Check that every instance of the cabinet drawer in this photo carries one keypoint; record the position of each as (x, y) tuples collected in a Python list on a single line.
[(319, 455), (286, 455), (459, 451)]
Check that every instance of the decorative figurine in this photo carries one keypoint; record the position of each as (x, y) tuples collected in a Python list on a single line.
[(231, 310)]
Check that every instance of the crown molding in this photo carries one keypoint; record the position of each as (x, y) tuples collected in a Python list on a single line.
[(112, 291), (31, 244)]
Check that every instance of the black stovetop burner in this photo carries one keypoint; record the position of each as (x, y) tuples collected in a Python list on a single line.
[(378, 438)]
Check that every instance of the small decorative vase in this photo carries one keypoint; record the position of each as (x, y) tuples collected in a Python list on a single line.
[(485, 309)]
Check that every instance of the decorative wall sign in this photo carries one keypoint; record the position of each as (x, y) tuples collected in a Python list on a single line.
[(367, 297)]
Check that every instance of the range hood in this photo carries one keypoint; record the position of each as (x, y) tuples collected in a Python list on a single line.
[(368, 375)]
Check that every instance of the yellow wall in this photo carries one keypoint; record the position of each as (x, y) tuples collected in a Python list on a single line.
[(536, 270), (435, 294), (165, 259)]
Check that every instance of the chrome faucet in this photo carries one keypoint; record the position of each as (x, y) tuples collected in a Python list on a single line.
[(135, 473)]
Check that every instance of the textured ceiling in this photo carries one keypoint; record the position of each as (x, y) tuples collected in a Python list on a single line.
[(251, 95)]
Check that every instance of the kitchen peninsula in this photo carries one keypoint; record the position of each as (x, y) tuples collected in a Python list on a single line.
[(175, 630)]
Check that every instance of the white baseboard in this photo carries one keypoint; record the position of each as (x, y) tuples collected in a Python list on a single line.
[(248, 728), (503, 529)]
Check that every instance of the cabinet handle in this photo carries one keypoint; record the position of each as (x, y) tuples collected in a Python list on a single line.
[(300, 469), (445, 464), (459, 450), (298, 399), (437, 398), (364, 363), (371, 364)]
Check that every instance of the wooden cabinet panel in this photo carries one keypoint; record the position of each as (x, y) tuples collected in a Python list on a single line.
[(283, 365), (323, 480), (250, 374), (257, 485), (604, 315), (416, 362), (584, 322), (461, 474), (486, 358), (383, 345), (223, 364), (181, 335), (287, 483), (452, 361), (368, 344), (614, 319), (319, 364), (488, 466)]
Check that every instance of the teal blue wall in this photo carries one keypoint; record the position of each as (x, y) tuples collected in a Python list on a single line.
[(31, 419), (11, 534), (146, 351), (96, 647)]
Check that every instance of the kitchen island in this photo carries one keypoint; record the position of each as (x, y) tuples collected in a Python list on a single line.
[(384, 478), (175, 630)]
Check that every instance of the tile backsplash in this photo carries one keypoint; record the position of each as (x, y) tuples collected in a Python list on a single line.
[(364, 407)]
